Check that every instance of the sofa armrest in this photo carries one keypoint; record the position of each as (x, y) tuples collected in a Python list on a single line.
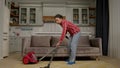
[(96, 42), (26, 41)]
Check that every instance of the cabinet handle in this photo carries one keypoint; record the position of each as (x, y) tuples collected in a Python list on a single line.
[(4, 39), (5, 33)]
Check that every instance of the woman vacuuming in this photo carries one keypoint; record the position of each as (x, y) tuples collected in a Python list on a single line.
[(74, 32)]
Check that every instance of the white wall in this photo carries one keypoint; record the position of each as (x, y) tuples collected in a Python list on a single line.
[(48, 28), (114, 40), (52, 10)]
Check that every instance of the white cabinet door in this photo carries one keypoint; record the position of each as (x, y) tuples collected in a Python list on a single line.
[(5, 37), (30, 15), (5, 46), (78, 16), (35, 16), (23, 16), (4, 29), (11, 44), (15, 44), (84, 15)]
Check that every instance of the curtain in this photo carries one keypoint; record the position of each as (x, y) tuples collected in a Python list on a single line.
[(102, 23)]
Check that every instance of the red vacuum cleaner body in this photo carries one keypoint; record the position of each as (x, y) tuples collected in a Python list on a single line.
[(30, 58)]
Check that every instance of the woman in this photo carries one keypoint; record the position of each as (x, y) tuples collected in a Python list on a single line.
[(73, 39)]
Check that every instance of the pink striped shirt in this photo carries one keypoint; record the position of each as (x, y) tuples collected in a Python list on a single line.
[(68, 27)]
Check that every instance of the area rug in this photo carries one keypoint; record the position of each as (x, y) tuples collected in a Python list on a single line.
[(14, 61), (57, 64), (62, 64)]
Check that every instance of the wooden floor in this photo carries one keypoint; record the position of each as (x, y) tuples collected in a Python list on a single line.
[(14, 61)]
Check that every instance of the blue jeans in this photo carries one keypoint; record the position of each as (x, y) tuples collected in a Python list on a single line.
[(72, 46)]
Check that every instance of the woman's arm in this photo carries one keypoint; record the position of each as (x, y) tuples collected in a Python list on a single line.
[(64, 31)]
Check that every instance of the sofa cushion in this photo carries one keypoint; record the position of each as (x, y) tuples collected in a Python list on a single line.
[(55, 39), (84, 41), (80, 50), (88, 50), (40, 41)]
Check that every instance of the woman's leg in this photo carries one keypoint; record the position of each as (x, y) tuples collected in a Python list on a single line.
[(73, 47), (69, 46)]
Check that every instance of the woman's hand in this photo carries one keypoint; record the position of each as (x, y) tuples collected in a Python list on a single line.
[(58, 44)]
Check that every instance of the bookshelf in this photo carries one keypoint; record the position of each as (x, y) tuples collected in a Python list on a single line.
[(14, 14)]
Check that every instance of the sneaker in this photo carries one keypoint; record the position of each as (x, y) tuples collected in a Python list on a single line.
[(70, 63), (67, 60)]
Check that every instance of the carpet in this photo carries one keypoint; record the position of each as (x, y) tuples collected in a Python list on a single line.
[(14, 61)]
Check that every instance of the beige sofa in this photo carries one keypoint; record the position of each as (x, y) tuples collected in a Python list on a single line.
[(43, 44)]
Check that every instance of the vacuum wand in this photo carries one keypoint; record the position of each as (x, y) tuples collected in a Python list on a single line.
[(53, 54), (54, 51)]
